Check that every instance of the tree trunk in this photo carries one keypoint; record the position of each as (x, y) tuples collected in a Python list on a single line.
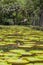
[(41, 18)]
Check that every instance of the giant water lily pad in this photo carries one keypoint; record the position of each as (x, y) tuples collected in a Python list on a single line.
[(18, 61), (36, 51)]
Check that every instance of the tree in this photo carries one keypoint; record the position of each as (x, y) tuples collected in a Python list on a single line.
[(17, 11), (41, 12)]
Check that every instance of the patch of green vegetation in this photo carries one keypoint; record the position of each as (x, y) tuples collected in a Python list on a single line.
[(21, 45)]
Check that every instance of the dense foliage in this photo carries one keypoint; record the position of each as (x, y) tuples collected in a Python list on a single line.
[(20, 12)]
